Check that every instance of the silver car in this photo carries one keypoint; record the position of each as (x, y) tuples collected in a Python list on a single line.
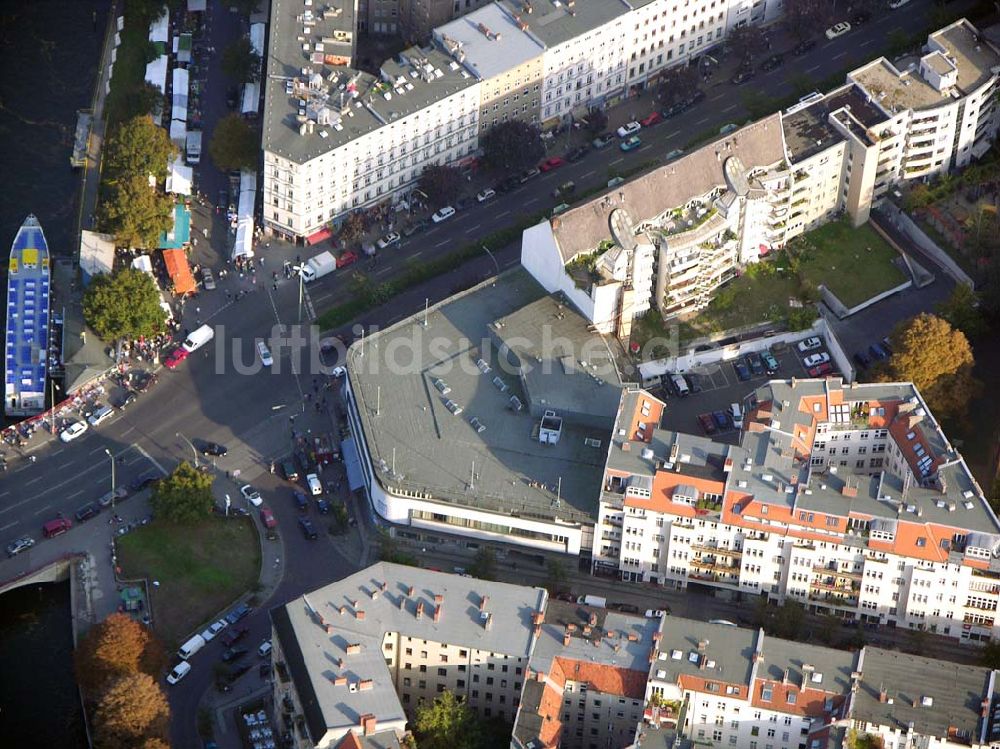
[(16, 547)]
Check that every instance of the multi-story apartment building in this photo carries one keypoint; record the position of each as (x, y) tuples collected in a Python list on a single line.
[(846, 498), (504, 58), (357, 656), (711, 212)]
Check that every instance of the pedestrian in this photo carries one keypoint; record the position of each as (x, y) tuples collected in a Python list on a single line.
[(275, 285), (204, 232)]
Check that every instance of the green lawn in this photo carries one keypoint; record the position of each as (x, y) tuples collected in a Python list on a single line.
[(201, 569), (853, 263)]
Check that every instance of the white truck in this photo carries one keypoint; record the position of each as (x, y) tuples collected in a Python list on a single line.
[(318, 266), (597, 602), (193, 146)]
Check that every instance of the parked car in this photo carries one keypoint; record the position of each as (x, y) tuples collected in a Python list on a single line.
[(566, 188), (577, 153), (175, 357), (234, 635), (100, 414), (804, 46), (128, 398), (213, 449), (820, 370), (265, 354), (862, 360), (602, 140), (443, 214), (630, 144), (653, 118), (772, 63), (755, 363), (484, 195), (553, 162), (301, 503), (674, 154), (207, 279), (838, 29), (267, 518), (315, 487), (233, 654), (88, 511), (878, 352), (721, 419), (308, 529), (629, 128), (179, 671), (770, 363), (741, 370), (323, 506), (251, 495), (809, 344), (529, 174), (415, 227), (213, 629), (144, 479), (265, 649), (347, 258), (707, 423), (887, 345), (56, 527), (16, 546), (815, 359), (743, 75), (388, 240), (238, 613), (288, 470), (728, 128), (72, 431)]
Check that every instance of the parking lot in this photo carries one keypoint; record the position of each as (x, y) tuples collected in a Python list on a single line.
[(715, 386)]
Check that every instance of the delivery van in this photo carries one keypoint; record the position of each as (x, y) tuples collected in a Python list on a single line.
[(198, 338), (191, 647)]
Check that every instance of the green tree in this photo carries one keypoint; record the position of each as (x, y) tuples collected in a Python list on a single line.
[(935, 357), (788, 620), (135, 213), (234, 145), (446, 723), (961, 310), (512, 146), (747, 42), (677, 84), (389, 550), (555, 577), (989, 656), (484, 566), (123, 306), (803, 18), (137, 148), (185, 496), (352, 228), (597, 121), (240, 62), (441, 184)]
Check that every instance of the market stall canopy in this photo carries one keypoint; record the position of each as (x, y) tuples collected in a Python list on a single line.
[(179, 178), (179, 271), (97, 254), (180, 234)]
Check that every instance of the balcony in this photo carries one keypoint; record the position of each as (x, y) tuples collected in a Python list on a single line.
[(842, 599), (715, 566), (838, 574), (718, 550)]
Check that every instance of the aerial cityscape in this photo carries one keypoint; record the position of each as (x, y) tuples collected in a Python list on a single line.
[(528, 374)]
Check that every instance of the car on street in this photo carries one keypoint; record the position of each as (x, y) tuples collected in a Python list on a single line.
[(553, 162), (100, 415), (566, 188), (301, 503), (878, 352), (214, 449), (721, 419), (207, 279), (143, 480), (772, 63), (251, 495), (308, 529), (415, 227), (743, 75), (88, 511), (56, 527), (741, 370), (213, 629), (238, 613), (529, 174), (770, 363), (347, 258), (127, 399), (820, 370), (755, 363), (629, 128), (653, 118), (895, 4), (861, 359), (233, 654), (175, 357), (838, 29), (631, 143), (861, 17), (443, 214), (809, 344), (707, 424), (602, 140), (814, 359), (234, 635), (179, 671), (887, 345), (804, 46), (265, 354), (483, 195), (223, 201), (74, 430), (323, 506), (18, 545), (577, 153), (267, 518), (388, 240), (728, 128), (288, 470), (675, 154), (265, 649), (315, 487)]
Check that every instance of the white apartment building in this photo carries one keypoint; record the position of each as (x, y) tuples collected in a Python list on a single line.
[(849, 499)]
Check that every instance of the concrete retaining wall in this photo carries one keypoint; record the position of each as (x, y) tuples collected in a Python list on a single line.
[(917, 235)]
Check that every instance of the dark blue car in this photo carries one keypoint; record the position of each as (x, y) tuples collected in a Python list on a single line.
[(238, 613), (742, 371), (721, 419)]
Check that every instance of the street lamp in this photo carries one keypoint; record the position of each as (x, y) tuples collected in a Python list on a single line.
[(487, 249), (113, 487), (52, 403), (193, 450)]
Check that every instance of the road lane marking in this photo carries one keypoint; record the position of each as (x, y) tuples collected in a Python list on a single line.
[(618, 160), (75, 494), (127, 432), (842, 54), (702, 121), (730, 108), (812, 69), (4, 494), (674, 133), (33, 481), (472, 228), (588, 174), (9, 525), (415, 254), (529, 202), (720, 96), (44, 509), (442, 243), (98, 450), (383, 271), (150, 458), (643, 148), (431, 231), (866, 43)]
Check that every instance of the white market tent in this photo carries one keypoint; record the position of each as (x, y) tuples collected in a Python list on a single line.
[(244, 213), (178, 132), (180, 177), (180, 100), (159, 30), (143, 263), (195, 6), (257, 38), (97, 254), (251, 98), (156, 73)]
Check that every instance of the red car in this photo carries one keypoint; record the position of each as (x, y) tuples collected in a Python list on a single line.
[(347, 258), (707, 423), (553, 162), (176, 357), (652, 119), (267, 518), (821, 369)]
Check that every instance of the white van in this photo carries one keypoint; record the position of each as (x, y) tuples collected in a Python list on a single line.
[(191, 647), (680, 385), (180, 671), (265, 354), (265, 649), (736, 413), (198, 338)]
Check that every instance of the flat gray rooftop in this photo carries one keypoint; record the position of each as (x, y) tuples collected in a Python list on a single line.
[(971, 51), (808, 131), (728, 651), (555, 21), (490, 41), (410, 380)]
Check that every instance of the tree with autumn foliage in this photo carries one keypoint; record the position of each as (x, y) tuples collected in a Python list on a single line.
[(118, 646), (937, 358), (132, 711)]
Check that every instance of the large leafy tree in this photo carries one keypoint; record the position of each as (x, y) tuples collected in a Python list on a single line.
[(446, 723), (185, 496), (961, 310), (930, 353), (234, 145), (597, 121), (512, 146), (803, 18), (353, 227), (747, 41), (136, 213), (240, 62), (138, 148), (484, 566), (677, 84), (131, 711), (441, 184), (123, 306), (117, 646)]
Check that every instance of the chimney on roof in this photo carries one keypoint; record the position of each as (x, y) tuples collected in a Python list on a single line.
[(340, 663), (702, 660), (883, 696), (984, 709), (537, 617), (849, 491), (702, 646), (340, 681), (587, 629), (482, 603), (653, 653), (410, 591), (382, 586), (402, 603), (656, 636), (488, 622), (566, 638), (437, 613), (633, 637), (342, 610), (784, 677), (366, 685), (328, 628), (368, 724), (359, 614), (354, 648), (438, 598), (592, 620), (539, 676), (420, 609)]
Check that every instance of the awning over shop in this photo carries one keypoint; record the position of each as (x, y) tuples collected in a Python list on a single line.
[(319, 236), (179, 271), (355, 475), (244, 238), (97, 254), (143, 263), (179, 178), (180, 235)]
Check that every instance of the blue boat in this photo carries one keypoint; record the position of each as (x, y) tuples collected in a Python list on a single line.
[(27, 341)]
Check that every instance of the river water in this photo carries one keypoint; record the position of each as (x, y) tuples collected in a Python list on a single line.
[(39, 702)]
